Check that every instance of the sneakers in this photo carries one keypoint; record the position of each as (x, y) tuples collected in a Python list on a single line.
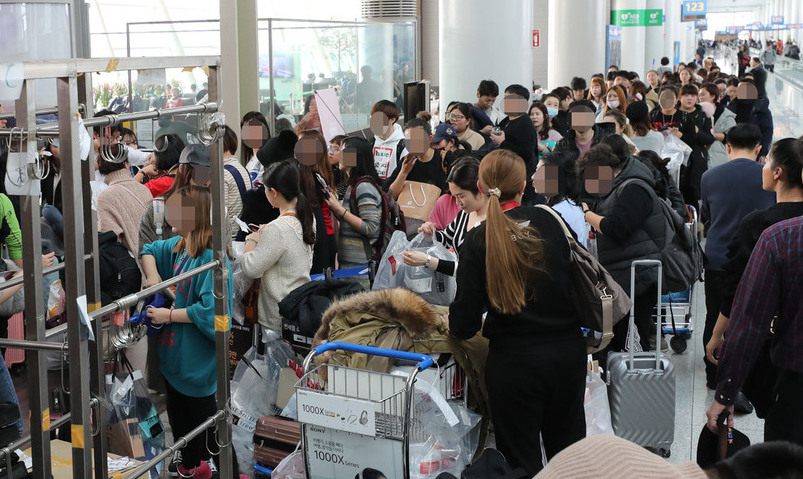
[(172, 468), (213, 468)]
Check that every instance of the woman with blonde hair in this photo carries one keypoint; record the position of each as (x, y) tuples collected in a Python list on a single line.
[(516, 267)]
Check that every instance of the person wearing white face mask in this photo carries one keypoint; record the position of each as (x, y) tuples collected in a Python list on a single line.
[(615, 99), (552, 104)]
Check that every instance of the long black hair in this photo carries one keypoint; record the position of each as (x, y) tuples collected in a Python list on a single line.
[(168, 150), (365, 159), (464, 174), (285, 178)]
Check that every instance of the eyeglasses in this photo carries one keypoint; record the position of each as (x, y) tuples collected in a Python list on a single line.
[(456, 117), (334, 148)]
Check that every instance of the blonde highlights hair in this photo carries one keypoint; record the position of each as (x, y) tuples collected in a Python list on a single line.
[(513, 252), (200, 238)]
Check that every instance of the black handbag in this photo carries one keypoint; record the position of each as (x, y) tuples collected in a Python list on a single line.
[(492, 465)]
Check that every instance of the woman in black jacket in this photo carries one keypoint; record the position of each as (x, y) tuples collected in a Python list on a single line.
[(516, 267)]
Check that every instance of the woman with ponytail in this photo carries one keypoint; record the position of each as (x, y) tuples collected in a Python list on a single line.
[(516, 267), (280, 253)]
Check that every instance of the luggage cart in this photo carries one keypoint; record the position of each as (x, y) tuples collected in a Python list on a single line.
[(677, 306), (353, 419)]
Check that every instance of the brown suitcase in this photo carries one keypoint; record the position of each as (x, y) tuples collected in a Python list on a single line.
[(274, 439)]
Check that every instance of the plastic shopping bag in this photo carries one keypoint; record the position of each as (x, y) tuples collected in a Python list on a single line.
[(597, 408), (253, 394), (678, 153), (436, 288), (240, 285), (291, 467)]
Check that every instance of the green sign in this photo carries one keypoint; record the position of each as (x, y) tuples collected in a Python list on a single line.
[(638, 18)]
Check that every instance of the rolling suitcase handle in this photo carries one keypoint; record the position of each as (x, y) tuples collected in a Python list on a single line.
[(658, 320)]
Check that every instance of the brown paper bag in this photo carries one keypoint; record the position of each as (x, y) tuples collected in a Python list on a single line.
[(417, 200)]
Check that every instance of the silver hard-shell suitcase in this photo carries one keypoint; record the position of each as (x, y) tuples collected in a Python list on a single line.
[(641, 386)]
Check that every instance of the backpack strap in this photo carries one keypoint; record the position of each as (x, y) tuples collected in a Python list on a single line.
[(159, 216), (238, 178)]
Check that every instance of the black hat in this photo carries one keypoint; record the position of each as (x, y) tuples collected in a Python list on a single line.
[(637, 111), (279, 148), (708, 446)]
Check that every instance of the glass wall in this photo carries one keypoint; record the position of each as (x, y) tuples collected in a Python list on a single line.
[(364, 62)]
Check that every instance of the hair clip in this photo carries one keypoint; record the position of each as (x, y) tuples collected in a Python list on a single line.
[(494, 192)]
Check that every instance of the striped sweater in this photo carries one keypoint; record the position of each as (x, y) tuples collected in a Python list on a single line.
[(351, 243)]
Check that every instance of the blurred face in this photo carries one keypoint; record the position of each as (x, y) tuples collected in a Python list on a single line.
[(459, 120), (596, 90), (582, 121), (704, 96), (667, 100), (180, 213), (688, 101), (417, 141), (537, 117), (545, 179), (485, 102), (381, 124), (465, 199), (515, 105)]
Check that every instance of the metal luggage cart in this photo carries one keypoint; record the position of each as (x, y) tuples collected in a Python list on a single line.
[(353, 419), (677, 306)]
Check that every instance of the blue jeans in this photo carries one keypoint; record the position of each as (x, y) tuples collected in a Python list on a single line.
[(54, 218), (7, 392)]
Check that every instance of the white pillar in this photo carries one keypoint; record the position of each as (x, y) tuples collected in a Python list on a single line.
[(541, 53), (239, 88), (576, 41), (672, 29), (623, 12), (429, 42), (477, 44), (654, 47)]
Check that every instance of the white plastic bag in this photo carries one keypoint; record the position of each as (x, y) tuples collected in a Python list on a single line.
[(597, 408), (435, 288), (291, 467), (240, 285), (253, 394), (678, 154)]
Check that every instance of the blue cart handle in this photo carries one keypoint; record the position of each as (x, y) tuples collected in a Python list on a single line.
[(423, 361)]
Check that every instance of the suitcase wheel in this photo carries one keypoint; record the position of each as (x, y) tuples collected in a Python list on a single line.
[(678, 345)]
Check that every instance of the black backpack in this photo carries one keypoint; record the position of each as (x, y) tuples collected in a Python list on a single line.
[(119, 273)]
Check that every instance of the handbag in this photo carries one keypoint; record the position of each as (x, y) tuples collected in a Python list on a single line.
[(417, 200), (601, 302), (251, 302)]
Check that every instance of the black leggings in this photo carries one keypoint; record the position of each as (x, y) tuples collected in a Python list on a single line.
[(536, 388), (185, 413)]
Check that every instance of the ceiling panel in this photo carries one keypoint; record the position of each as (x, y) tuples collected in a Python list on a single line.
[(734, 5)]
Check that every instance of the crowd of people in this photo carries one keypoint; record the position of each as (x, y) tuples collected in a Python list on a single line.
[(593, 150)]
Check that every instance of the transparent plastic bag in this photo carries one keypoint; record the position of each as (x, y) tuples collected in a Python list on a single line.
[(388, 267), (240, 285), (291, 467), (253, 394), (597, 408), (435, 288), (678, 154)]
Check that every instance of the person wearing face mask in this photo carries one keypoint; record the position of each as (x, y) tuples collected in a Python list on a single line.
[(615, 99), (697, 134), (187, 335), (547, 136), (559, 122), (596, 93), (473, 207)]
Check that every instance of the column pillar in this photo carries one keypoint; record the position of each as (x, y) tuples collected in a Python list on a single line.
[(478, 44), (576, 42), (631, 16), (654, 46), (239, 59), (541, 53), (672, 29), (429, 42)]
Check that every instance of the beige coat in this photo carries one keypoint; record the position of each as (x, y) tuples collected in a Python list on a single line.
[(121, 207)]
